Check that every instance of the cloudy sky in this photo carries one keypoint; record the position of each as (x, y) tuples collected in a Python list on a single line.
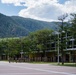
[(47, 10)]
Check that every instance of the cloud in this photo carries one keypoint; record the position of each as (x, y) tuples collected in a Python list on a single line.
[(47, 10), (70, 6), (15, 2)]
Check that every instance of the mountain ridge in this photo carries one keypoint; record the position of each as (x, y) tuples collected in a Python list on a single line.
[(15, 26)]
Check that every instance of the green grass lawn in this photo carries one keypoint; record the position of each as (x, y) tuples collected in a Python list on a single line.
[(65, 64), (69, 64), (40, 62), (55, 63)]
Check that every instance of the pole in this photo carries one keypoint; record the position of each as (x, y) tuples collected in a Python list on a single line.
[(58, 49)]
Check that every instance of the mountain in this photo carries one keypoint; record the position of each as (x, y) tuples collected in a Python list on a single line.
[(33, 25), (15, 26)]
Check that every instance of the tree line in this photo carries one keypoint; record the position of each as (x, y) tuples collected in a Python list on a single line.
[(38, 41)]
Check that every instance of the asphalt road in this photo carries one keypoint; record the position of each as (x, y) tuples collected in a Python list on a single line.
[(34, 69)]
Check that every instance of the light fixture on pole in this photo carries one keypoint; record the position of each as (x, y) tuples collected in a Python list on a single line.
[(58, 46)]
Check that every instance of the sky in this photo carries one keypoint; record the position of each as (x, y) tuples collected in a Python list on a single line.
[(46, 10)]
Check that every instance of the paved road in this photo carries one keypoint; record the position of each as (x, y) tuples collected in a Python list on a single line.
[(34, 69)]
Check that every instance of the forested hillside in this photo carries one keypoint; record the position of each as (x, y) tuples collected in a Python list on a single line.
[(15, 26)]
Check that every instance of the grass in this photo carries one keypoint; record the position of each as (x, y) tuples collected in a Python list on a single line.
[(40, 62), (65, 64), (69, 64), (56, 64)]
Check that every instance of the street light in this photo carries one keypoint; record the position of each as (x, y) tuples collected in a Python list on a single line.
[(21, 53), (58, 45), (72, 42)]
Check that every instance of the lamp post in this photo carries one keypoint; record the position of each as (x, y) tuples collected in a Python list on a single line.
[(58, 47), (8, 56), (57, 33), (21, 54)]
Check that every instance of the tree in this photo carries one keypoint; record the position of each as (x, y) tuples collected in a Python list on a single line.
[(2, 48), (62, 18), (73, 24), (41, 40), (27, 45), (73, 32), (13, 48)]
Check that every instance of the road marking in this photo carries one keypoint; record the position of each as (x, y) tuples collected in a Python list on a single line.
[(42, 70)]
